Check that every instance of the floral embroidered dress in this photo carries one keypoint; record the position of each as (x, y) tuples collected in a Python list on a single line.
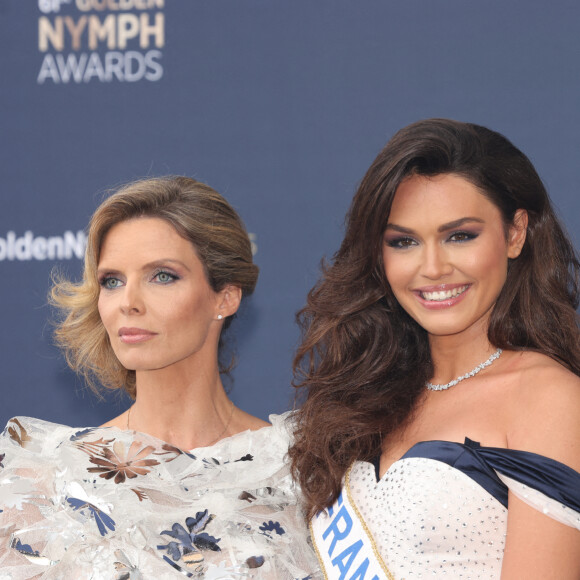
[(104, 503)]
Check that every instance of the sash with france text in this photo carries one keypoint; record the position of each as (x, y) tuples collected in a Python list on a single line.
[(344, 544)]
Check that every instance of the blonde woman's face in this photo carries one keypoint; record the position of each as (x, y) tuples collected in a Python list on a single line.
[(155, 301)]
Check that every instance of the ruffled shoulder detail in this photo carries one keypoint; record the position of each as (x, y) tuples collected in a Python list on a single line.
[(108, 503)]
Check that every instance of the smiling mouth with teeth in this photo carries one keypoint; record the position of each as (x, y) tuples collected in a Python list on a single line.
[(442, 295)]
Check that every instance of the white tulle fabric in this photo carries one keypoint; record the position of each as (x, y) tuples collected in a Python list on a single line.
[(111, 504), (542, 503)]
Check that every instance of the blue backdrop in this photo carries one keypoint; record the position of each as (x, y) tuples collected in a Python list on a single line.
[(279, 105)]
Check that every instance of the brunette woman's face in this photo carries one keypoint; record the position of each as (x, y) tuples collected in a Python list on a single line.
[(446, 253), (155, 301)]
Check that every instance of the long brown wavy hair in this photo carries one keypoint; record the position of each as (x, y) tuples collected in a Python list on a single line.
[(363, 362), (200, 215)]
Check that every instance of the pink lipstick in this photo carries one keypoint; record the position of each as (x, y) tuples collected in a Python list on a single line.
[(441, 296), (135, 335)]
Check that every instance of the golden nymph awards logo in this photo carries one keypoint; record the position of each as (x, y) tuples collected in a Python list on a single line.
[(100, 40)]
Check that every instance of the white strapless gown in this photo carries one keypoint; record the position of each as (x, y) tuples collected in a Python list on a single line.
[(441, 510)]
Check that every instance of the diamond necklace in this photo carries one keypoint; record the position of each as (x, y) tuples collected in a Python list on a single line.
[(468, 375)]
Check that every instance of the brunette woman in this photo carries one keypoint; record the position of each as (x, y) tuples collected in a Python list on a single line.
[(440, 436), (183, 483)]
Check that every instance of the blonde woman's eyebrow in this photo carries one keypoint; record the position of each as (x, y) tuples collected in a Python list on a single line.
[(149, 266), (164, 262)]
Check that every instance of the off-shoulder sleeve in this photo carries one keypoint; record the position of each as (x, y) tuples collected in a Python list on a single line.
[(543, 483)]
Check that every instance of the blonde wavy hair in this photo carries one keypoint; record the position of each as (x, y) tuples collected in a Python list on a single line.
[(198, 214)]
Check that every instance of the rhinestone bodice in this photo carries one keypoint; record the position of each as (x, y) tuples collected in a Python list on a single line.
[(431, 520), (441, 510)]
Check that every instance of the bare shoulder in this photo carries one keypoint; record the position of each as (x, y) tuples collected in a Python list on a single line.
[(542, 381), (119, 422), (545, 409), (245, 421)]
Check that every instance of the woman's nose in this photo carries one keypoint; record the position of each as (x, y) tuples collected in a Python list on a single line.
[(436, 263), (132, 300)]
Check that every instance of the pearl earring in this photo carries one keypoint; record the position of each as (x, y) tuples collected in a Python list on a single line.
[(219, 316)]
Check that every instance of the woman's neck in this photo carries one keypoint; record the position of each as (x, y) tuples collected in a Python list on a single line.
[(453, 356), (184, 408)]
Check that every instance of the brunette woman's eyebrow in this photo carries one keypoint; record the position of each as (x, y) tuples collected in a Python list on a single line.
[(399, 229), (458, 223), (442, 228)]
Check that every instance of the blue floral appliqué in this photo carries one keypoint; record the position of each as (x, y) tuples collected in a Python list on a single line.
[(80, 434), (101, 518), (268, 527), (23, 548), (189, 543)]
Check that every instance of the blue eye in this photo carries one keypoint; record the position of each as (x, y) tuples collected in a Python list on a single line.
[(110, 283), (401, 243), (165, 277), (462, 236)]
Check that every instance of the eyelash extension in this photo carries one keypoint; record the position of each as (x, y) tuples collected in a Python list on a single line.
[(468, 236), (400, 243), (104, 280), (405, 242), (173, 276)]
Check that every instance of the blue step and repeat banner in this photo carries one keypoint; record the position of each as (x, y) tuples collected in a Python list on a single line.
[(279, 105)]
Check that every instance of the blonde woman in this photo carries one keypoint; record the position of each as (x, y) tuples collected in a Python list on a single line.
[(183, 482)]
